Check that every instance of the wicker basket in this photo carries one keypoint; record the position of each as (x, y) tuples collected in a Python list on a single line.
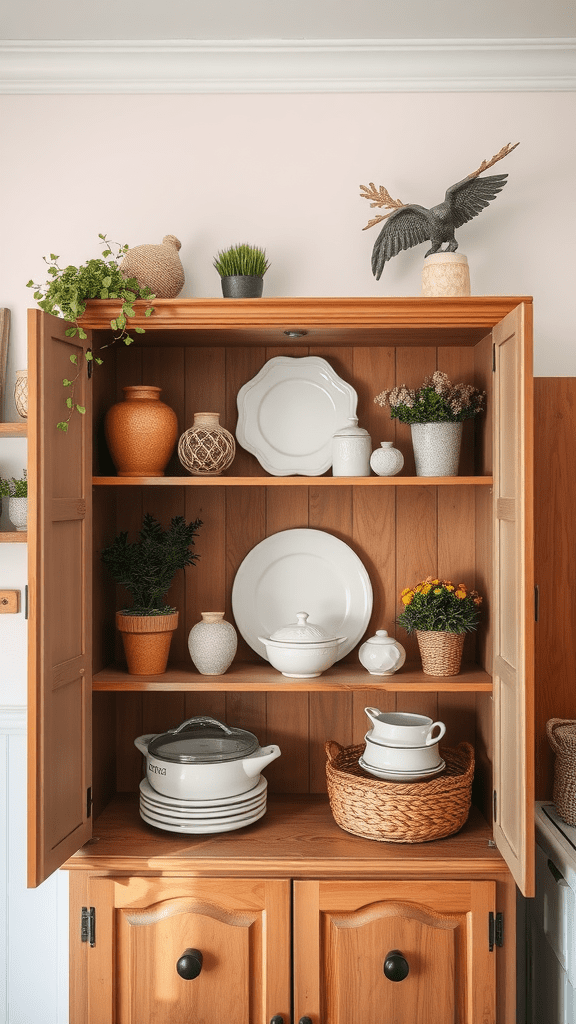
[(441, 653), (561, 734), (405, 812)]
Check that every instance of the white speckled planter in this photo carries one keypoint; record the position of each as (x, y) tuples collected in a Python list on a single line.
[(18, 513), (212, 644), (436, 448)]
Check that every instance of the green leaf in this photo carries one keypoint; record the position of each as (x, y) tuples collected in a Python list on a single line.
[(89, 356), (71, 332), (73, 359), (62, 426), (37, 295), (114, 325), (52, 271), (98, 360), (103, 237), (127, 310), (107, 252), (81, 409), (128, 340), (140, 330), (107, 281), (82, 333), (69, 402), (148, 312), (67, 383), (30, 285), (53, 257)]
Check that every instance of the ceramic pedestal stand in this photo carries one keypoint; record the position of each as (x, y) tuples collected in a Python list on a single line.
[(445, 273)]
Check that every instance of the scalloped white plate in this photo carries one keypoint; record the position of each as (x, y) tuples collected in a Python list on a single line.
[(289, 412)]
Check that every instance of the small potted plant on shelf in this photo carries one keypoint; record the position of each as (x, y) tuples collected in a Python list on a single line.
[(146, 569), (435, 412), (17, 493), (242, 268), (67, 291), (440, 614)]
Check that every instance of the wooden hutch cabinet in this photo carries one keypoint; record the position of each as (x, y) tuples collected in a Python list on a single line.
[(296, 919)]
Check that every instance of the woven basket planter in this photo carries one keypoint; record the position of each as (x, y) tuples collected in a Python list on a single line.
[(441, 653), (399, 812), (561, 734), (146, 640)]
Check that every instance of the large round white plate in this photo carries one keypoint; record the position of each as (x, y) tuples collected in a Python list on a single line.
[(257, 789), (401, 776), (191, 829), (289, 412), (302, 570)]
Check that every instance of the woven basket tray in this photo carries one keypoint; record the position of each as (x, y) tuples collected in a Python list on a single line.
[(405, 812)]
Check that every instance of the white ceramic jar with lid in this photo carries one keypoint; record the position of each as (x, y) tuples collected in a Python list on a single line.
[(382, 655), (351, 447)]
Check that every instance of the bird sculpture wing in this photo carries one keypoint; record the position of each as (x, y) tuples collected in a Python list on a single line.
[(406, 227), (469, 197)]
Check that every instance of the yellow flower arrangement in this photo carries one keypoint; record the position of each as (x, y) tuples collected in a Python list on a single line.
[(439, 605)]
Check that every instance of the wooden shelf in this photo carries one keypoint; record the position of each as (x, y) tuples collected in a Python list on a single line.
[(13, 429), (292, 481), (261, 678), (13, 537), (297, 837)]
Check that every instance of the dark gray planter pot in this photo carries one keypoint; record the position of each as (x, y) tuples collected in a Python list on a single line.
[(242, 287)]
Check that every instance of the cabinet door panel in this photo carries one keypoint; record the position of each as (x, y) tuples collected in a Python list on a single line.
[(513, 600), (143, 926), (344, 932), (59, 572)]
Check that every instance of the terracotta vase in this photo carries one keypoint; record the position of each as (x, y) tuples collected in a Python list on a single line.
[(146, 640), (141, 432)]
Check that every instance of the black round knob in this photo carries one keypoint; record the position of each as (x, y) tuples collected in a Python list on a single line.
[(190, 964), (396, 966), (277, 1019), (304, 1020)]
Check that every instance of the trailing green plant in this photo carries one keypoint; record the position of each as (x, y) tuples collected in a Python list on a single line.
[(14, 488), (147, 567), (440, 606), (67, 291), (437, 400), (241, 261)]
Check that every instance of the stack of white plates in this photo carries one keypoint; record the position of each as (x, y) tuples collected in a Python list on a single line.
[(401, 776), (201, 817)]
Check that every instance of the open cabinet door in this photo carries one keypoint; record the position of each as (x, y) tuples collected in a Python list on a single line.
[(59, 581), (513, 669)]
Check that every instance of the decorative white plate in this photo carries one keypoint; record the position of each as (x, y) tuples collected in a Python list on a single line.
[(401, 776), (190, 829), (248, 795), (302, 570), (288, 413), (209, 813)]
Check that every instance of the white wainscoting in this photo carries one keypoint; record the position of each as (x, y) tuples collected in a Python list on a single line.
[(33, 922)]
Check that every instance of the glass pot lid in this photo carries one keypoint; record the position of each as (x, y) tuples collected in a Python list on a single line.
[(203, 740)]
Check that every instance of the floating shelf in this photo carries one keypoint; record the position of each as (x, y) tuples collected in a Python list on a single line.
[(13, 429), (13, 537), (291, 481)]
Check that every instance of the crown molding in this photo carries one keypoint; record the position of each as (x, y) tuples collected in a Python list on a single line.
[(286, 66)]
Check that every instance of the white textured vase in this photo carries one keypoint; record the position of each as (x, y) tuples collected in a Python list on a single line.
[(351, 447), (446, 273), (18, 513), (436, 448), (212, 644), (386, 460)]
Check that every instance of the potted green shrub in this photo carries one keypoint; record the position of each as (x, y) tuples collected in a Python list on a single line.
[(16, 490), (435, 412), (146, 568), (67, 291), (440, 614), (242, 268)]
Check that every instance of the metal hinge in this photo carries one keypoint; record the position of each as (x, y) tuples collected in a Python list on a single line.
[(88, 925), (495, 930), (536, 603), (89, 802), (494, 358), (26, 601), (495, 805)]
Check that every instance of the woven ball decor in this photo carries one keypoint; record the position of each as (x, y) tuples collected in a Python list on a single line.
[(561, 734), (156, 266), (206, 448), (399, 812)]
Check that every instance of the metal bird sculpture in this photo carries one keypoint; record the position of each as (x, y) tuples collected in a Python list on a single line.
[(409, 224)]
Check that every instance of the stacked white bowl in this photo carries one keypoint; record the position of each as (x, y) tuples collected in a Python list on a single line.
[(402, 747)]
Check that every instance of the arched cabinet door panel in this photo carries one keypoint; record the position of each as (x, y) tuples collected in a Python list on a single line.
[(367, 952)]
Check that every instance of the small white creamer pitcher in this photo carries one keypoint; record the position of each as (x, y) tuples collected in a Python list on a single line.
[(402, 729)]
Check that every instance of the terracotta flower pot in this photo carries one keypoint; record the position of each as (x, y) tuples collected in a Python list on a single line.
[(146, 640), (141, 432)]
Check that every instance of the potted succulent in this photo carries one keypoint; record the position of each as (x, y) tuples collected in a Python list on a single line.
[(17, 493), (146, 569), (435, 412), (242, 268), (440, 614), (67, 291)]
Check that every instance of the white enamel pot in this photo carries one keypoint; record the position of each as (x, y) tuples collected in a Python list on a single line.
[(203, 759)]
